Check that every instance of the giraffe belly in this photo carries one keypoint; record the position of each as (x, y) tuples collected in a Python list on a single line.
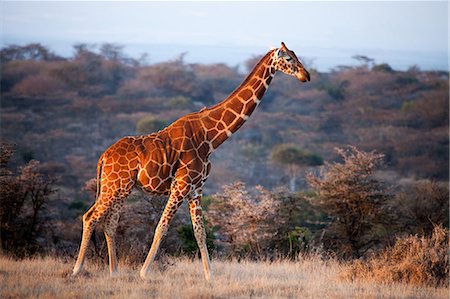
[(154, 178)]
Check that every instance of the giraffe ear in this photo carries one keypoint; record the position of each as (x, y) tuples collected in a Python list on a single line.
[(282, 50)]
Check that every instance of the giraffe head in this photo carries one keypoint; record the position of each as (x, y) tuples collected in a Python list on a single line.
[(287, 62)]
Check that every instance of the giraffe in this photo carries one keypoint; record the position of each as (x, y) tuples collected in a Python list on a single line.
[(175, 161)]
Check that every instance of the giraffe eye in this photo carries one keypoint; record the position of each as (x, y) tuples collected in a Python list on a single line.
[(289, 58)]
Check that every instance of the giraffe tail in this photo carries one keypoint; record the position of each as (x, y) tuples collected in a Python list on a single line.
[(99, 175)]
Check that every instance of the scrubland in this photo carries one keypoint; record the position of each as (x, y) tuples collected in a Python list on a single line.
[(308, 277), (59, 114)]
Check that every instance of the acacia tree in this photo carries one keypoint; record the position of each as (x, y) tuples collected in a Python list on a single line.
[(365, 61), (354, 198), (292, 158)]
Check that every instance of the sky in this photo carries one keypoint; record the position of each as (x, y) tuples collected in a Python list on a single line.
[(325, 34)]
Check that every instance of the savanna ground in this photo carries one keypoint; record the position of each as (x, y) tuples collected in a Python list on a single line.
[(310, 277)]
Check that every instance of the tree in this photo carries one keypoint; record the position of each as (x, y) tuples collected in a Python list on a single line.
[(293, 158), (354, 198), (364, 60), (112, 52), (32, 51), (22, 198)]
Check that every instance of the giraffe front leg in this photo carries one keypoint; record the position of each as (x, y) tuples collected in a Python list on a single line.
[(195, 210), (175, 200)]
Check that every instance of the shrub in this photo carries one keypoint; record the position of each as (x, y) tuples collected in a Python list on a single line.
[(412, 260), (150, 124), (336, 91), (297, 225), (168, 78), (427, 112), (421, 206), (353, 196), (188, 241), (22, 200), (383, 67), (300, 239), (39, 85), (404, 80), (14, 72), (179, 102), (244, 222)]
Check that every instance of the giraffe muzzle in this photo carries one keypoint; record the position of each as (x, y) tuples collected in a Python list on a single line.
[(303, 75)]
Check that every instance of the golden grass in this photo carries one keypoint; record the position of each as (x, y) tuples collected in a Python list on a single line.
[(412, 260), (183, 278)]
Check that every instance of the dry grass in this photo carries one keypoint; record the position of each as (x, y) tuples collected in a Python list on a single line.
[(183, 278), (413, 260)]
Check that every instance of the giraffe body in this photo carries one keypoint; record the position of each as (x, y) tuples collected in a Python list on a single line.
[(175, 161)]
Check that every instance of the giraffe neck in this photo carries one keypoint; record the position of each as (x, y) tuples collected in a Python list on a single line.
[(231, 114)]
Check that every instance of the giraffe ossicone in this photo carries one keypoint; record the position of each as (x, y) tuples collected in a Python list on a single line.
[(175, 161)]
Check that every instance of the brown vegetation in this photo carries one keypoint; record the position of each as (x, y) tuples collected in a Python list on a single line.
[(81, 101), (244, 220), (412, 260), (22, 199), (354, 197)]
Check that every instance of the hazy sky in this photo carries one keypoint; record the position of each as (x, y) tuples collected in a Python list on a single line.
[(400, 26)]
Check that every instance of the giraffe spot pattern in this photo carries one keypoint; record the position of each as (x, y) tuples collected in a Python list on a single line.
[(175, 160)]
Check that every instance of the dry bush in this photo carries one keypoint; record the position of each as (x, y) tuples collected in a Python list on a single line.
[(23, 197), (170, 78), (420, 206), (351, 194), (429, 112), (412, 260), (15, 71), (245, 222), (216, 71), (39, 85)]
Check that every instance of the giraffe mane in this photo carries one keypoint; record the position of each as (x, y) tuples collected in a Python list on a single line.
[(246, 80)]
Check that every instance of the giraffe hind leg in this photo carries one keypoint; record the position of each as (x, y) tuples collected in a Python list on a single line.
[(198, 226), (89, 224), (97, 213), (110, 227), (107, 212)]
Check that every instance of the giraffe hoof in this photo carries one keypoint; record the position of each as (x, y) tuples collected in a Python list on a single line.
[(143, 275), (75, 272), (210, 283)]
